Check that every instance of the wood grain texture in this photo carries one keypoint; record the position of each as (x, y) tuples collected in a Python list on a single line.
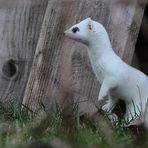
[(20, 24), (61, 69)]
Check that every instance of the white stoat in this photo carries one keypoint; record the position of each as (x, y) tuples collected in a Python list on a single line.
[(118, 80)]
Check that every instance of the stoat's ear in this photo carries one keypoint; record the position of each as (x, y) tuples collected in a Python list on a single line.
[(91, 17), (90, 23)]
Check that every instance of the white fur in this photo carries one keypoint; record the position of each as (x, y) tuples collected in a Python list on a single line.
[(118, 80)]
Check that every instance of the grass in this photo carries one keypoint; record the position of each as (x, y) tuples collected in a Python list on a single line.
[(19, 129)]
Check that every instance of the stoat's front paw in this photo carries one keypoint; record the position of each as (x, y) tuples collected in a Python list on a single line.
[(107, 107), (101, 99), (101, 102), (113, 118)]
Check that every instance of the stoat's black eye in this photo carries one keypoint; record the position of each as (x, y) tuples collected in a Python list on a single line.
[(75, 29)]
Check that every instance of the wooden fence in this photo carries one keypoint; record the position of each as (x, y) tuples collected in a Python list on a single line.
[(42, 66), (20, 24)]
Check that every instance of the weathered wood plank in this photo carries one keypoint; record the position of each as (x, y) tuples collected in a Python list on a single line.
[(61, 68), (20, 24)]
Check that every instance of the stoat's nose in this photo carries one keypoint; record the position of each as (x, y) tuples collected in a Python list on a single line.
[(66, 32)]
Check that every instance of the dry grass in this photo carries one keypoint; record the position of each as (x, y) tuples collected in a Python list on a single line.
[(18, 129)]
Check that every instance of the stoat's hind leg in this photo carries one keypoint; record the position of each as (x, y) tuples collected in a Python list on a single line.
[(133, 110)]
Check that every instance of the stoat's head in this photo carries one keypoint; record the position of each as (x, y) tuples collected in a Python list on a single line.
[(86, 31)]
